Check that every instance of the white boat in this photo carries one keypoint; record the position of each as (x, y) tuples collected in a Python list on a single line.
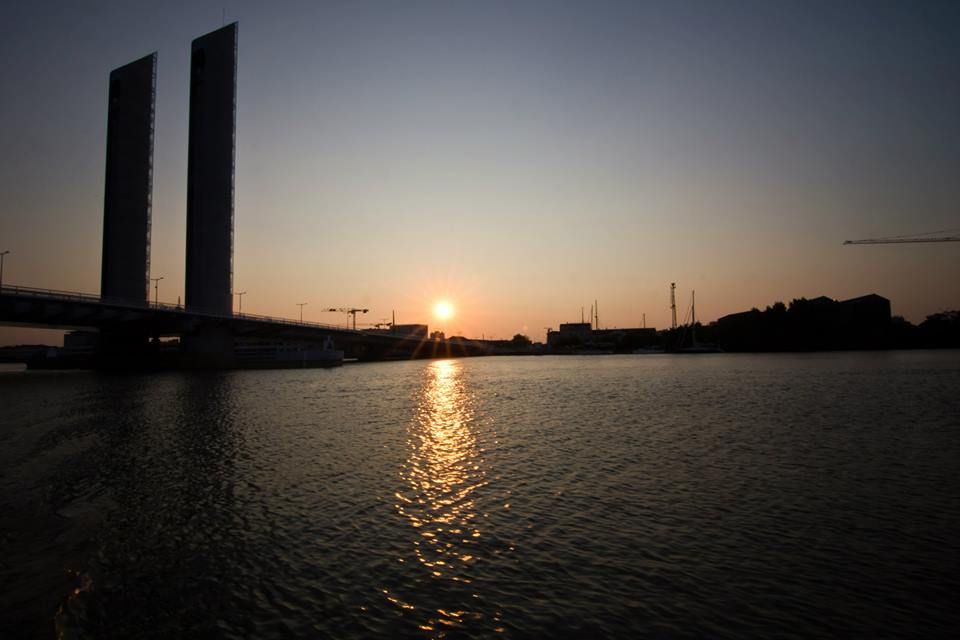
[(287, 356)]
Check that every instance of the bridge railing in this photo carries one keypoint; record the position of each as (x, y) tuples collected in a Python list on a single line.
[(297, 323), (49, 293), (57, 294)]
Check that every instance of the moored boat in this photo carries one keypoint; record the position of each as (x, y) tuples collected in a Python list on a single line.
[(288, 356)]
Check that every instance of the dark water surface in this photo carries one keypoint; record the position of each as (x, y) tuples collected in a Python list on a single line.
[(617, 496)]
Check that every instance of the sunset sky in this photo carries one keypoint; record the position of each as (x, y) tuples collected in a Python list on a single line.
[(517, 159)]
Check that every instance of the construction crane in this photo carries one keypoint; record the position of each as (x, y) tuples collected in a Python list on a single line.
[(919, 237), (349, 310)]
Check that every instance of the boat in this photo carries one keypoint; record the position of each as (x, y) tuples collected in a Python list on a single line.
[(648, 350), (697, 347), (703, 347), (287, 356)]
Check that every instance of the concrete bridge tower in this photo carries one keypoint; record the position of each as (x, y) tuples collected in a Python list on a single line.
[(210, 172), (127, 200), (210, 189), (127, 197)]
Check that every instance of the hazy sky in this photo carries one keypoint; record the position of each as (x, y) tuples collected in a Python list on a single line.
[(520, 159)]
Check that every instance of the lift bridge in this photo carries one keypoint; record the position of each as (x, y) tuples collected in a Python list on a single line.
[(127, 330)]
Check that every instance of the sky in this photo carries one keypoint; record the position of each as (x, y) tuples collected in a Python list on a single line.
[(517, 159)]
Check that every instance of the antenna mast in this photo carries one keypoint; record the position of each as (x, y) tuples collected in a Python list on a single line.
[(673, 305)]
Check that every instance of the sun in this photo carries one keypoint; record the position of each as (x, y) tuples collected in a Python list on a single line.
[(443, 310)]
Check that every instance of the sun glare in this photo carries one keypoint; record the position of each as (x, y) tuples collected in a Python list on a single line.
[(443, 310)]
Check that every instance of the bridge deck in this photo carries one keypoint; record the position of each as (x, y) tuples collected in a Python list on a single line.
[(52, 309)]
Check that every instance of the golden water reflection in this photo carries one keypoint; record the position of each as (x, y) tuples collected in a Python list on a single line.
[(443, 469)]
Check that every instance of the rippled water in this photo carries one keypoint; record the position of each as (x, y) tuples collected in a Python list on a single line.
[(616, 496)]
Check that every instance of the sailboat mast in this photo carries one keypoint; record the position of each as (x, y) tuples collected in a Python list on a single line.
[(693, 318)]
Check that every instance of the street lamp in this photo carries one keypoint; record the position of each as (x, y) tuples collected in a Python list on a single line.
[(240, 298), (1, 268), (301, 304), (156, 290)]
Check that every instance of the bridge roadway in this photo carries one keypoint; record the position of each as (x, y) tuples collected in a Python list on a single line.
[(50, 309)]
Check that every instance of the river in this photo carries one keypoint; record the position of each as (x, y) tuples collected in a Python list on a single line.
[(722, 495)]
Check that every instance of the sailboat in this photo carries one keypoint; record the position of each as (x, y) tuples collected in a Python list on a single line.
[(697, 347)]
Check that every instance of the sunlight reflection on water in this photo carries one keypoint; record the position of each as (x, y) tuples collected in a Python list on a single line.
[(443, 469)]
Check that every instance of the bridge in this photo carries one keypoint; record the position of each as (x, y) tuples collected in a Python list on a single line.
[(129, 330), (126, 331)]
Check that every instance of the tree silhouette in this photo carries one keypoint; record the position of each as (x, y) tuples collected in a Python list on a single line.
[(520, 340)]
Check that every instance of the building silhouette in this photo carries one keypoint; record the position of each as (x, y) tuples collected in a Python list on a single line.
[(210, 172), (125, 266), (582, 334)]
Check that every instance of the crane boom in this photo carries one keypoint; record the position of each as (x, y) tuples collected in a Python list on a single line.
[(902, 240), (353, 311)]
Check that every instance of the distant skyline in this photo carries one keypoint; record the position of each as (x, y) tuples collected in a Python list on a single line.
[(517, 160)]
